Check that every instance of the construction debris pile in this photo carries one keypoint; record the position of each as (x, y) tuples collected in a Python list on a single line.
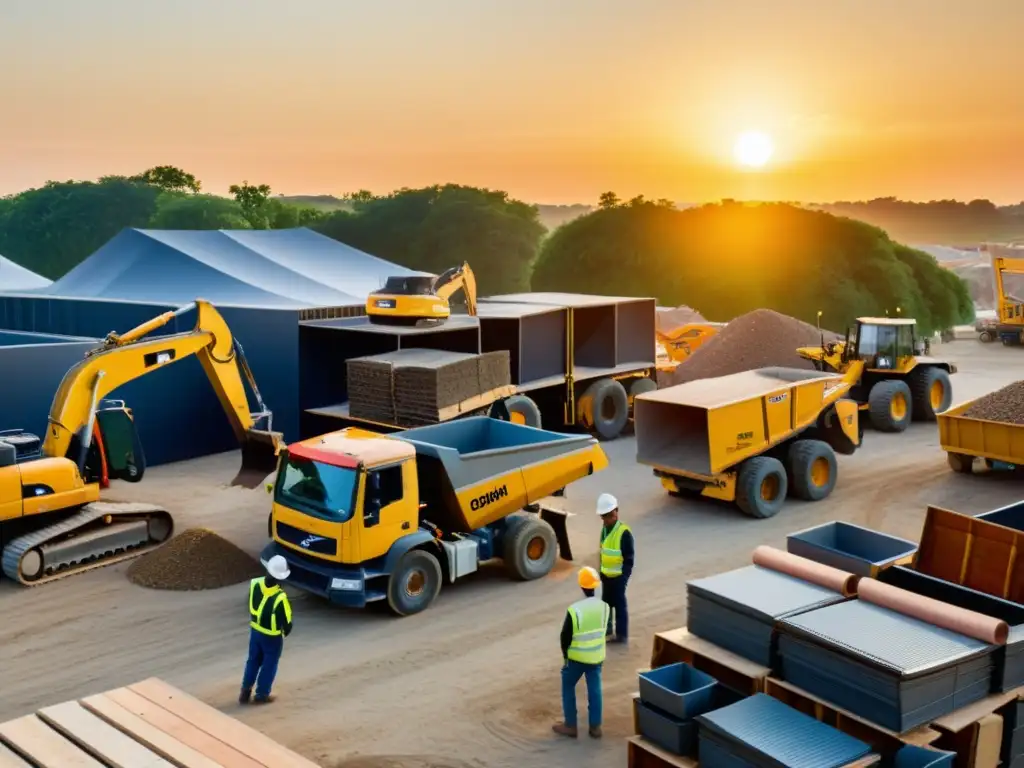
[(758, 339), (193, 560), (1005, 405), (413, 387)]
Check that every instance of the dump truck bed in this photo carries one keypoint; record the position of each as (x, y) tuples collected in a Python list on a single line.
[(477, 470), (704, 427), (993, 440)]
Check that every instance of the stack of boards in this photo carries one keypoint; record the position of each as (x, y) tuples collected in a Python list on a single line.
[(146, 725), (417, 387)]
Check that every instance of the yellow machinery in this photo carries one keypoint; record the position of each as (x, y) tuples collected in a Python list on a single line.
[(1009, 326), (363, 517), (421, 300), (90, 440), (999, 444), (890, 381), (751, 438), (681, 342)]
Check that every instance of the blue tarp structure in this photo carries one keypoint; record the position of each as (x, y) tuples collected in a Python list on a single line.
[(281, 269), (14, 277)]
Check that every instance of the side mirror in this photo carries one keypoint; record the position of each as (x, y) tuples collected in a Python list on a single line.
[(270, 487)]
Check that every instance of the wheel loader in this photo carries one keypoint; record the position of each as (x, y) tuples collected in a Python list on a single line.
[(892, 383), (52, 522)]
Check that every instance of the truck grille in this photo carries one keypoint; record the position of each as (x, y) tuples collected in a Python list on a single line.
[(322, 545)]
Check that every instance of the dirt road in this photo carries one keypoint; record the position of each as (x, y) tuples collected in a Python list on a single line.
[(474, 680)]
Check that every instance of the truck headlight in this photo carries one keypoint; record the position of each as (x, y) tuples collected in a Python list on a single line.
[(349, 585)]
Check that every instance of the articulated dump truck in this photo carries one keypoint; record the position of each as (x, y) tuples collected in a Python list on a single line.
[(751, 438), (363, 517)]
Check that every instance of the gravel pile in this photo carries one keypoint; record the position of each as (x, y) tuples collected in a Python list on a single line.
[(194, 559), (758, 339), (1005, 405)]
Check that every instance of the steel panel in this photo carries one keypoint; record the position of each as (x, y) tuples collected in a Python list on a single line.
[(761, 591)]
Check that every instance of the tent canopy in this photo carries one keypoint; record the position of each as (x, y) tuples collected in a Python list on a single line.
[(14, 277), (282, 268)]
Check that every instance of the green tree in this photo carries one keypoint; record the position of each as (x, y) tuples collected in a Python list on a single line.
[(435, 228), (169, 178), (608, 200), (253, 200), (197, 212)]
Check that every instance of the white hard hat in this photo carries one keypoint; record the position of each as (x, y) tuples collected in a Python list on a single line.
[(606, 503), (277, 567)]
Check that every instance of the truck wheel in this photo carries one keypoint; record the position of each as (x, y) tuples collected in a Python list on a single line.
[(812, 469), (761, 487), (414, 583), (932, 392), (609, 407), (531, 550), (986, 337), (890, 406), (523, 410), (960, 462)]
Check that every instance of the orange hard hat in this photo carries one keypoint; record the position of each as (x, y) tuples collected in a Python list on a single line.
[(588, 578)]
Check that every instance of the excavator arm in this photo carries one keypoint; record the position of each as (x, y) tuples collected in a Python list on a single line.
[(1008, 305), (450, 281), (125, 357)]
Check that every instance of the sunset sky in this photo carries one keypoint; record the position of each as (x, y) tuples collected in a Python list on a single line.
[(552, 100)]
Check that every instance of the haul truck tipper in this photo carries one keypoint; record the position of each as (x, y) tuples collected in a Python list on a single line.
[(364, 517), (52, 522), (749, 438)]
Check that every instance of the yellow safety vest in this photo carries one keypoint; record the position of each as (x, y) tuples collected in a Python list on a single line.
[(611, 550), (589, 625), (263, 609)]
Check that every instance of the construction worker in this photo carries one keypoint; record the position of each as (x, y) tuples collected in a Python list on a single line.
[(583, 654), (617, 552), (270, 621)]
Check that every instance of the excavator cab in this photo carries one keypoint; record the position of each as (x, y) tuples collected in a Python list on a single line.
[(421, 300)]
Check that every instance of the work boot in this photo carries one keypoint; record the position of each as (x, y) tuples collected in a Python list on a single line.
[(564, 730), (244, 696), (616, 640), (595, 732), (264, 699)]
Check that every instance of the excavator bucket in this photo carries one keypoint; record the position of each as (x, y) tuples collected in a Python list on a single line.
[(259, 457)]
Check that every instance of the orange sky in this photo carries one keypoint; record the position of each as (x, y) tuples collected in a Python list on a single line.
[(553, 100)]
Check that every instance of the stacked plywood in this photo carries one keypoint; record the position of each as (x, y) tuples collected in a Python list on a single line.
[(415, 387), (146, 725)]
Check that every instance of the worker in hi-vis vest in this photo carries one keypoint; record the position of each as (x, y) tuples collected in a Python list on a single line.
[(270, 620), (583, 654), (618, 549)]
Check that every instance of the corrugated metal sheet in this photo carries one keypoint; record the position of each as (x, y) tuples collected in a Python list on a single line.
[(758, 590), (890, 639), (776, 732)]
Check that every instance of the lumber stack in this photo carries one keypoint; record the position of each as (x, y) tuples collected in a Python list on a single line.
[(416, 387), (149, 724)]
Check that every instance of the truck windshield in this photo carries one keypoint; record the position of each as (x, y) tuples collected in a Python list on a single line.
[(318, 488)]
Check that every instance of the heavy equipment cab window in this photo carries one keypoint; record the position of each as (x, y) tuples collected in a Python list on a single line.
[(317, 488), (390, 485), (408, 286), (904, 341), (876, 340)]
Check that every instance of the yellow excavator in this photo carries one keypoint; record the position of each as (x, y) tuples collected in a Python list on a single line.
[(890, 380), (421, 300), (679, 343), (52, 522)]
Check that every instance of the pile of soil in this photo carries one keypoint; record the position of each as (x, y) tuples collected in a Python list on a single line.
[(668, 319), (1005, 405), (194, 559), (759, 339)]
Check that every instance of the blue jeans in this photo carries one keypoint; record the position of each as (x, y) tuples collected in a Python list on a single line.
[(613, 592), (264, 654), (571, 674)]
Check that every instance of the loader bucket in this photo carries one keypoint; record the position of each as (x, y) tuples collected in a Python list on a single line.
[(259, 457)]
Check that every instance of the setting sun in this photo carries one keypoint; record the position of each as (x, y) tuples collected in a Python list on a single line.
[(753, 149)]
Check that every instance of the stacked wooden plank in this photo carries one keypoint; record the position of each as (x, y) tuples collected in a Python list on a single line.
[(415, 387), (146, 725)]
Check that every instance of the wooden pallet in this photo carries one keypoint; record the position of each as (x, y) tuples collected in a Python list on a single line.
[(676, 645), (146, 725)]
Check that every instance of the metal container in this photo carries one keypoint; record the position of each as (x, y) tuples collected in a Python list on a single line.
[(911, 756), (850, 548), (678, 690), (676, 736)]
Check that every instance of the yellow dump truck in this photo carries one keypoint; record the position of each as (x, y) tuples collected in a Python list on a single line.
[(363, 517), (751, 438), (964, 439)]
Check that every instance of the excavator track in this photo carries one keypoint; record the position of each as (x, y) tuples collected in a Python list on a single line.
[(98, 534)]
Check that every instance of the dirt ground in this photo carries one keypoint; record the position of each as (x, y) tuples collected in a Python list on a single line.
[(474, 681)]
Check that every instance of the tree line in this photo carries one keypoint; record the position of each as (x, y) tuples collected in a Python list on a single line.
[(724, 259)]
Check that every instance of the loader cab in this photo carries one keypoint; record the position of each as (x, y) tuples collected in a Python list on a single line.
[(344, 497), (882, 343)]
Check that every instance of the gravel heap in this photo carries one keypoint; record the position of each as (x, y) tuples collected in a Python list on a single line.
[(194, 559), (758, 339), (1005, 405)]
